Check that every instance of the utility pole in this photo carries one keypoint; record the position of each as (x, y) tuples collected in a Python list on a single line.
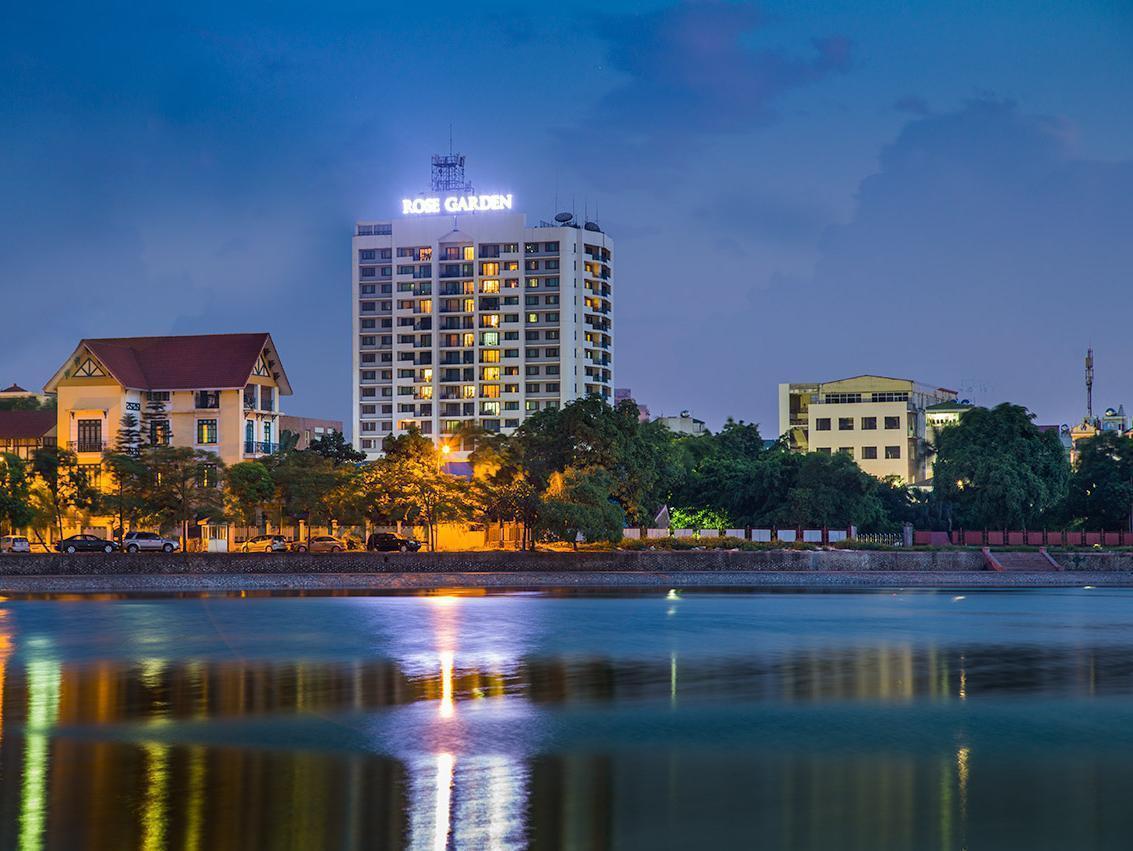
[(1090, 385)]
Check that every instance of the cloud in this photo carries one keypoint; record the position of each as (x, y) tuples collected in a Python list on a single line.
[(985, 247), (687, 72)]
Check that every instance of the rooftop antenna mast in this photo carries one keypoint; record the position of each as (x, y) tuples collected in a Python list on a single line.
[(1090, 385), (448, 171)]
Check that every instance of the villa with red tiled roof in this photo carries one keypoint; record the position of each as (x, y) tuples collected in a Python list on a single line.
[(216, 392)]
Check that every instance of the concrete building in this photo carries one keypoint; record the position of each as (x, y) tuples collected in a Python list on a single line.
[(882, 423), (476, 317), (307, 429), (683, 423), (625, 394)]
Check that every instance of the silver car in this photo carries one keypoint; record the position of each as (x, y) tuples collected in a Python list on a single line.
[(148, 542), (14, 544), (320, 544)]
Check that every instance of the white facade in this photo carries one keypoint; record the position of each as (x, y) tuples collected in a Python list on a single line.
[(478, 319)]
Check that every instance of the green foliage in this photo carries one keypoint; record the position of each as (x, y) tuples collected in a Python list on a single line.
[(698, 518), (832, 491), (333, 445), (126, 497), (27, 403), (63, 488), (303, 481), (1100, 492), (15, 493), (996, 470), (183, 487), (578, 502), (248, 486)]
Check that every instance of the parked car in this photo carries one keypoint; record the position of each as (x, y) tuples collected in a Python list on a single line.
[(320, 544), (86, 544), (387, 542), (14, 544), (265, 544), (135, 542)]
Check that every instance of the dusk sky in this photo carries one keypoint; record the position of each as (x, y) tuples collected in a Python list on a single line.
[(797, 192)]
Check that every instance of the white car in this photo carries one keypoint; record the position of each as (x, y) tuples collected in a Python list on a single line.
[(14, 544), (144, 542)]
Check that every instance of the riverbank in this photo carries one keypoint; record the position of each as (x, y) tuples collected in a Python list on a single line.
[(391, 582)]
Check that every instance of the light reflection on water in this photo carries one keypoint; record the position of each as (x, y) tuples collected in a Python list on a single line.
[(800, 721)]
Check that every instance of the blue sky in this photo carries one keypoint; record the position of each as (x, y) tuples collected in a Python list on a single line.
[(796, 191)]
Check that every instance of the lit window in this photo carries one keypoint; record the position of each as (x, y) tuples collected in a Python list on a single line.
[(489, 338), (489, 268), (491, 320), (469, 305), (532, 317), (491, 391), (490, 373), (491, 408), (426, 305), (206, 432), (469, 252), (490, 355), (426, 375), (469, 339), (490, 286), (468, 391), (426, 392)]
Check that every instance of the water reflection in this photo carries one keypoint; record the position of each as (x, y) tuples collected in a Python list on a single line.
[(451, 737)]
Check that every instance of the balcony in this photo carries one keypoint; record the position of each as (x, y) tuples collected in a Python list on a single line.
[(260, 447), (87, 445)]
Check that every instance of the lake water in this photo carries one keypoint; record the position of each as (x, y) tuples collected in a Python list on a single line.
[(922, 720)]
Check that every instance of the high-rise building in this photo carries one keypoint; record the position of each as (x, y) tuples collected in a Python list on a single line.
[(464, 314)]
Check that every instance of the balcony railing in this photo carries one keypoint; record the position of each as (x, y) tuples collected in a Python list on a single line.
[(260, 447), (87, 445)]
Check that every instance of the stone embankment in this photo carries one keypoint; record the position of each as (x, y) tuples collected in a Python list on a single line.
[(638, 561)]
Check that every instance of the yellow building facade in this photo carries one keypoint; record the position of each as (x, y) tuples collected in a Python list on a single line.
[(217, 392), (878, 421)]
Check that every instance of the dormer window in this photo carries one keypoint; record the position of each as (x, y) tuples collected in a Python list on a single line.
[(206, 399), (250, 397), (267, 398)]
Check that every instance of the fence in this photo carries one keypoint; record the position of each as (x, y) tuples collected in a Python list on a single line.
[(1022, 538), (770, 535)]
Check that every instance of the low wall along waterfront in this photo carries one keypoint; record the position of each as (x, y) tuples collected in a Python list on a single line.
[(361, 562)]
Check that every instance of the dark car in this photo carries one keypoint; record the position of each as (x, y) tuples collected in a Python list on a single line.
[(388, 542), (86, 544)]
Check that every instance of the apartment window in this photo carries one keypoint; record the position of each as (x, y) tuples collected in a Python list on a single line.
[(157, 396), (869, 423), (552, 335), (892, 452), (531, 300), (490, 356), (846, 450), (489, 268), (891, 397), (207, 476), (823, 450), (206, 432), (368, 254), (207, 399), (532, 370), (845, 423), (532, 388), (89, 433), (892, 422), (822, 424), (553, 387), (869, 453)]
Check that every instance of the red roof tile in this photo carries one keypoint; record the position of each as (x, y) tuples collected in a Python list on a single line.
[(204, 362), (15, 424), (15, 388)]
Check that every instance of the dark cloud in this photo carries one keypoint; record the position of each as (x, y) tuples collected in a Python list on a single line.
[(983, 248), (687, 71)]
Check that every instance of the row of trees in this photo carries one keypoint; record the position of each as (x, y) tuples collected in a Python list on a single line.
[(589, 469)]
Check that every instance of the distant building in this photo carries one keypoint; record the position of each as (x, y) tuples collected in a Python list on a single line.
[(308, 429), (624, 394), (23, 432), (880, 422), (684, 423), (16, 393)]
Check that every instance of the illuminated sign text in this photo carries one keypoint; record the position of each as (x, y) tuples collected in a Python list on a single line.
[(455, 204)]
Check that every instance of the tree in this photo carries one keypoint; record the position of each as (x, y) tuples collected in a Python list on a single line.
[(578, 502), (15, 494), (303, 480), (247, 487), (333, 445), (832, 491), (997, 470), (125, 498), (1101, 487), (65, 486), (184, 487), (155, 429)]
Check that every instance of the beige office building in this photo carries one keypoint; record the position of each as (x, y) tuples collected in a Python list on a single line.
[(880, 422)]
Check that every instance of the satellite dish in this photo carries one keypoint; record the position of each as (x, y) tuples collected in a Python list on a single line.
[(563, 218), (592, 226)]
